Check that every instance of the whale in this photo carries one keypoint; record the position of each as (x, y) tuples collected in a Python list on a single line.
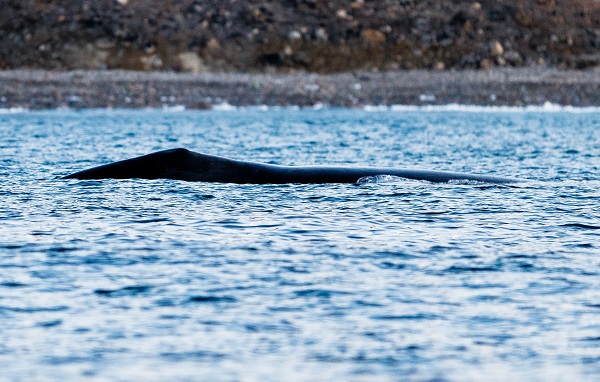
[(186, 165)]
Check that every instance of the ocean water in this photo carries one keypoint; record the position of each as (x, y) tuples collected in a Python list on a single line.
[(154, 280)]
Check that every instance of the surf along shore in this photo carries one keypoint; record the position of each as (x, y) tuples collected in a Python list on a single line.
[(44, 89)]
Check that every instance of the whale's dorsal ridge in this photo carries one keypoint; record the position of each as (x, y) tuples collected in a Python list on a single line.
[(183, 164), (178, 150)]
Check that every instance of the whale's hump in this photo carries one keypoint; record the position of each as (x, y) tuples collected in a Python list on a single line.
[(160, 164)]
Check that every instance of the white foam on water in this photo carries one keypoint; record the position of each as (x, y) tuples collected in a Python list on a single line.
[(11, 110), (382, 179), (545, 107), (173, 107), (224, 106)]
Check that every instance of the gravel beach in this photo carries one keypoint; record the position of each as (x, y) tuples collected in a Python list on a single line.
[(40, 89)]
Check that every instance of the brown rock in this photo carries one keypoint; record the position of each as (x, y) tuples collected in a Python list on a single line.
[(468, 26), (486, 64), (212, 44), (439, 65), (372, 37), (358, 4), (191, 62), (151, 62), (496, 49), (342, 14)]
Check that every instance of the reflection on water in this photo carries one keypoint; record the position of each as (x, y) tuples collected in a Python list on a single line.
[(386, 280)]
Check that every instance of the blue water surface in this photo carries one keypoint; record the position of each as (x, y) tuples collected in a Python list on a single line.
[(393, 279)]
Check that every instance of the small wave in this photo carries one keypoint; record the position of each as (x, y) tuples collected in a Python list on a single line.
[(590, 339), (34, 309), (150, 220), (49, 324), (193, 355), (391, 265), (460, 269), (319, 293), (12, 284), (211, 299), (581, 225), (132, 290), (401, 317)]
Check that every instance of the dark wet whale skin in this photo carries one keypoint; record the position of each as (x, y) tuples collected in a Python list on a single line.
[(183, 164)]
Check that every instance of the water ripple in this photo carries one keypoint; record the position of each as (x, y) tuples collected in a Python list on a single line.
[(385, 280)]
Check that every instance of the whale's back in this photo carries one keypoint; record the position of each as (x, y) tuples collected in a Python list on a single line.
[(182, 164)]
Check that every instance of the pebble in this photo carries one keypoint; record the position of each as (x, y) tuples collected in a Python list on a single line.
[(342, 14), (496, 48), (321, 34), (485, 64), (294, 35)]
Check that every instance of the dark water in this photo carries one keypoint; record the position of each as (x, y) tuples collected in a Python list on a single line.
[(390, 280)]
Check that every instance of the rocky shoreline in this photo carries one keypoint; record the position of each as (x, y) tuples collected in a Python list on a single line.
[(333, 36), (40, 89), (197, 54)]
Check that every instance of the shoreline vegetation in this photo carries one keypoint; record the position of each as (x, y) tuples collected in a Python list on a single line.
[(82, 89), (197, 54)]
